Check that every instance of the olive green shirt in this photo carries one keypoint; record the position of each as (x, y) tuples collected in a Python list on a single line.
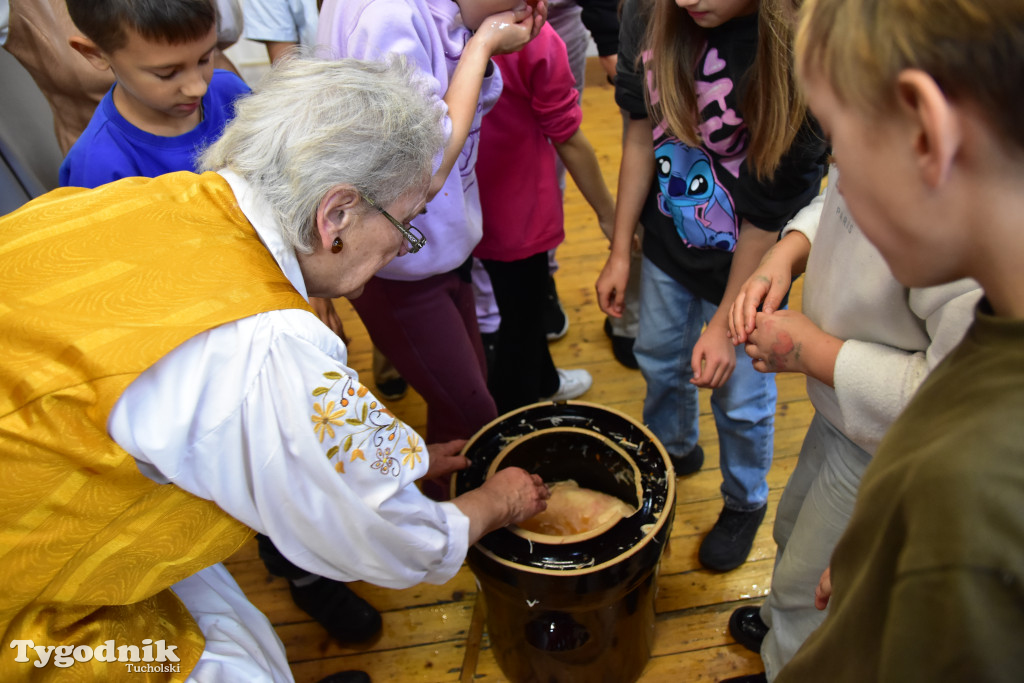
[(928, 580)]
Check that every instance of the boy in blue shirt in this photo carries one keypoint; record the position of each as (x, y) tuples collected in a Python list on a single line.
[(168, 101)]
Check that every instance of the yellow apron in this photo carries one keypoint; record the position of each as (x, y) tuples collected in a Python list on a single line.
[(97, 285)]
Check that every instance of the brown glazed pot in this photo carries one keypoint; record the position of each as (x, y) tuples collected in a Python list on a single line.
[(577, 608)]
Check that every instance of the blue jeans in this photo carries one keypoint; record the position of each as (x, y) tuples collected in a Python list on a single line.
[(671, 320)]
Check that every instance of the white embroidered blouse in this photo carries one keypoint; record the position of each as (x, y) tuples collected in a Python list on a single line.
[(264, 417)]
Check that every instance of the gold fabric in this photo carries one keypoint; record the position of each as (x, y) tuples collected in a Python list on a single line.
[(98, 285)]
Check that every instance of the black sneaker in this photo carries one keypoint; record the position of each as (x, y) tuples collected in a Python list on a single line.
[(747, 628), (750, 678), (728, 543), (689, 463), (622, 347), (392, 389), (345, 615), (556, 322), (351, 676)]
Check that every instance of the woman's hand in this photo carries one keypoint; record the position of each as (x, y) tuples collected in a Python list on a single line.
[(714, 357), (509, 496), (523, 494), (823, 593), (445, 458)]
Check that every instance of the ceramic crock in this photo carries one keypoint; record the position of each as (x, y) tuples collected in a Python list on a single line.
[(573, 608)]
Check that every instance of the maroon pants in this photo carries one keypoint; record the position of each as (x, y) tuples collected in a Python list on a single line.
[(428, 329)]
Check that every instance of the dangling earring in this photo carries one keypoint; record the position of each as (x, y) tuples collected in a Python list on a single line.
[(337, 245)]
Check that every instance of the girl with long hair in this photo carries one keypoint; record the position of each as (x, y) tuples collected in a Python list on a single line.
[(718, 154)]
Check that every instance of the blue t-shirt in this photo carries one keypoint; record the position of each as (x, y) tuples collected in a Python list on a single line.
[(111, 148)]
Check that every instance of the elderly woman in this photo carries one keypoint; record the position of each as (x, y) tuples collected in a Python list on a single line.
[(167, 390)]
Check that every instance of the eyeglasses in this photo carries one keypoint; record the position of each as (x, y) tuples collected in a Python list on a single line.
[(411, 234)]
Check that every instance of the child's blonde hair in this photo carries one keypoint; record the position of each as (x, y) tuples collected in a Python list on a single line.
[(973, 49), (772, 105)]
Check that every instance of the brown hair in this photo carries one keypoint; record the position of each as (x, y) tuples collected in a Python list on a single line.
[(973, 49), (772, 104), (104, 22)]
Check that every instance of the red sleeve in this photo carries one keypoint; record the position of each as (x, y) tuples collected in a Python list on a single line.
[(543, 68)]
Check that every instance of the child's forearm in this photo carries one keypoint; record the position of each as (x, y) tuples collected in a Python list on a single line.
[(794, 248), (462, 98), (499, 33), (636, 173), (752, 245), (581, 162)]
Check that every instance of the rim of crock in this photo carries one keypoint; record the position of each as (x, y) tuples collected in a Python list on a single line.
[(550, 539), (651, 529)]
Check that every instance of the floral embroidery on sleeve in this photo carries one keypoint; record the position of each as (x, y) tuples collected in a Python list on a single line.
[(364, 425)]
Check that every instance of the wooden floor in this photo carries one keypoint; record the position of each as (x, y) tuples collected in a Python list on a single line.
[(436, 633)]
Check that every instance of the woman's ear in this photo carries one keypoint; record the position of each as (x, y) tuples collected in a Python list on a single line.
[(335, 212), (935, 124), (91, 51)]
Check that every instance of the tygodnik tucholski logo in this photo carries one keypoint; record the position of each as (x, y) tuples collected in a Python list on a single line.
[(138, 658)]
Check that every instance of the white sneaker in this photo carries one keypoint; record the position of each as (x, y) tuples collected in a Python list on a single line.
[(571, 384)]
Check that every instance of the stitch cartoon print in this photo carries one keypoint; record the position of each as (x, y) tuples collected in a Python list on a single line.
[(690, 194)]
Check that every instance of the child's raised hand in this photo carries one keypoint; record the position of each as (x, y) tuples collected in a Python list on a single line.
[(509, 31), (714, 357)]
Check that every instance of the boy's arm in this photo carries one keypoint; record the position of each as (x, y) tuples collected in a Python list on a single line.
[(874, 382), (278, 49), (581, 162), (272, 23), (221, 61)]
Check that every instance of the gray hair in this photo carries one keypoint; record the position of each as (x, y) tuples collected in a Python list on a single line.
[(312, 124)]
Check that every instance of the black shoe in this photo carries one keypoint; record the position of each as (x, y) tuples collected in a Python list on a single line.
[(392, 389), (747, 629), (556, 322), (622, 347), (689, 463), (728, 543), (345, 615), (347, 677), (751, 678)]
